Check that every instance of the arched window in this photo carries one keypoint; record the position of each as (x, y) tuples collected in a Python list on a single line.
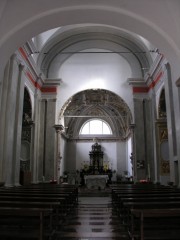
[(162, 105), (96, 127)]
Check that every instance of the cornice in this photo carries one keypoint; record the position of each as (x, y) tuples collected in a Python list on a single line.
[(46, 86), (52, 81), (136, 82), (152, 78), (155, 68)]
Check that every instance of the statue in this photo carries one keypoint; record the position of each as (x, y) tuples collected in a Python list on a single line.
[(26, 119)]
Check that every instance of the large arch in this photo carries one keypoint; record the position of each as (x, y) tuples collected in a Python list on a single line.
[(97, 103), (21, 21), (37, 18), (72, 39)]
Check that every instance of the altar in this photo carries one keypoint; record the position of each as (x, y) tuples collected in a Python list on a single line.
[(96, 181)]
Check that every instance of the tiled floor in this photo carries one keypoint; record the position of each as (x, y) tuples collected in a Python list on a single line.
[(93, 219)]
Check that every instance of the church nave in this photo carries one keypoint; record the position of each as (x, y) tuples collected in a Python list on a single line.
[(92, 219)]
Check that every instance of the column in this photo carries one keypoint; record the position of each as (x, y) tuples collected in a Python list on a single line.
[(59, 129), (3, 108), (140, 147), (49, 143), (133, 155), (170, 110), (10, 123), (18, 125), (177, 117), (35, 131)]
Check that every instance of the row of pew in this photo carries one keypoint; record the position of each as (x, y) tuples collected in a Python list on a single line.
[(35, 211), (148, 211)]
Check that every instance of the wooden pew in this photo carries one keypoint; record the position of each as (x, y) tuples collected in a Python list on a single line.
[(116, 198), (168, 232), (133, 202), (57, 204), (71, 192), (39, 213), (57, 199)]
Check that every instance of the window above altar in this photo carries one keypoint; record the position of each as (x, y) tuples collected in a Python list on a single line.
[(95, 127)]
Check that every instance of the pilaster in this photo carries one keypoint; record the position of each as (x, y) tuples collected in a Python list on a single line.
[(10, 122), (18, 125), (3, 108), (47, 139), (59, 129), (35, 147), (172, 141)]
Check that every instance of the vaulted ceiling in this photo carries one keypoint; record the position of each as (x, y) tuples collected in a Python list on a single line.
[(66, 41)]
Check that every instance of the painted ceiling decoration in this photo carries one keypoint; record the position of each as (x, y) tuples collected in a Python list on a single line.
[(97, 103)]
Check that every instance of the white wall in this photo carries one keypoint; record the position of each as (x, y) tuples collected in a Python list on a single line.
[(70, 159), (129, 151), (83, 149), (82, 153), (42, 38), (87, 71), (121, 157)]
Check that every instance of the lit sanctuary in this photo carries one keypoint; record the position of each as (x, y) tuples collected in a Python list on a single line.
[(96, 175)]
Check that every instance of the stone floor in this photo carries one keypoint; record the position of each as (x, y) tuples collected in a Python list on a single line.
[(92, 219)]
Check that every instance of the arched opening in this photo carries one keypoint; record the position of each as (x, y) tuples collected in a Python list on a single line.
[(75, 38), (95, 127), (26, 140), (83, 61), (108, 110)]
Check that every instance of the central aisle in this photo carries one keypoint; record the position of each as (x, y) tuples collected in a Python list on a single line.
[(92, 219)]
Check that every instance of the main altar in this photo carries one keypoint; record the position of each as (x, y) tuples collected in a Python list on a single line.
[(96, 181), (96, 175)]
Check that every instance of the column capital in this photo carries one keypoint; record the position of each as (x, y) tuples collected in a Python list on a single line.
[(59, 127)]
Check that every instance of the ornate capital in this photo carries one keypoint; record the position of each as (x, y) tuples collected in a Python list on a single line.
[(59, 128)]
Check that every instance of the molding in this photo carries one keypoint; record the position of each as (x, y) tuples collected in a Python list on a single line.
[(48, 96), (48, 100), (52, 81), (151, 79), (31, 46), (48, 86), (26, 51), (90, 139), (137, 82), (155, 67), (139, 86), (59, 127)]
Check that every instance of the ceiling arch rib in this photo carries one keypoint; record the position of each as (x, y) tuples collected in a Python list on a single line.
[(102, 47), (97, 103), (68, 44)]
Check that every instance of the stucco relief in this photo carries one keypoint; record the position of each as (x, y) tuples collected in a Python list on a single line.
[(97, 103)]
